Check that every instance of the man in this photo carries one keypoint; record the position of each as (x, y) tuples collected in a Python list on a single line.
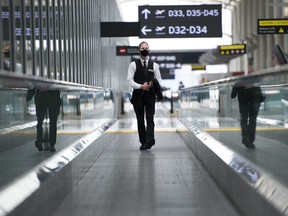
[(144, 78), (46, 101), (249, 98)]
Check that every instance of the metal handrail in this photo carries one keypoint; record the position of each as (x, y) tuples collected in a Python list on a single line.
[(256, 75), (10, 79)]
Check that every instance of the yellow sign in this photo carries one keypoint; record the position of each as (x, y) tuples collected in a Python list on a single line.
[(273, 23), (272, 26), (198, 67), (232, 47)]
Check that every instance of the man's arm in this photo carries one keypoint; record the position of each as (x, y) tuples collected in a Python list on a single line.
[(157, 74), (130, 76), (30, 94)]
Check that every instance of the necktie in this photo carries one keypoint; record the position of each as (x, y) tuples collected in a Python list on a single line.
[(145, 69)]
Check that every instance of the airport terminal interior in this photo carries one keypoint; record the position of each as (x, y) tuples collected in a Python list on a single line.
[(210, 157)]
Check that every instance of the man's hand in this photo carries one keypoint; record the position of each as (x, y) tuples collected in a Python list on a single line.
[(145, 86)]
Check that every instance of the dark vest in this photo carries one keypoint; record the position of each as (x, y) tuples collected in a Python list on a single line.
[(139, 76)]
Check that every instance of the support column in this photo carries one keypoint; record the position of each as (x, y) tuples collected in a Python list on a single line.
[(243, 34), (278, 13), (236, 31), (255, 37), (248, 37), (269, 38), (261, 39)]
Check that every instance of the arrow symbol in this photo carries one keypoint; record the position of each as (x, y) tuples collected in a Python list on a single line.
[(144, 30), (146, 12), (253, 175), (178, 65)]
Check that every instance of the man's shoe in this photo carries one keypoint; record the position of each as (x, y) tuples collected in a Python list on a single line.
[(52, 149), (39, 145), (250, 145), (245, 141), (46, 147), (143, 147), (150, 143)]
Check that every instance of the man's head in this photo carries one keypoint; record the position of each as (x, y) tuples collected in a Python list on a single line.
[(144, 48)]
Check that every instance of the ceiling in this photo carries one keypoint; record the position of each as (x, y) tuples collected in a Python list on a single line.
[(129, 13), (225, 3)]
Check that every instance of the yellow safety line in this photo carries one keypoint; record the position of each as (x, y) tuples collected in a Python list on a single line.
[(164, 130), (61, 132), (239, 129)]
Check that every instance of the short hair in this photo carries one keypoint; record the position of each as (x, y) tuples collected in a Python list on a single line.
[(142, 43)]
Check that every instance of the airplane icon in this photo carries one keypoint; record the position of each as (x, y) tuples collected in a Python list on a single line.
[(159, 28), (159, 12)]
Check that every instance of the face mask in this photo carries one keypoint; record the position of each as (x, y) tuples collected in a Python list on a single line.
[(144, 52)]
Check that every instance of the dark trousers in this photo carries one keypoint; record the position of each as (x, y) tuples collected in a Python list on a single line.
[(248, 118), (47, 103), (144, 106)]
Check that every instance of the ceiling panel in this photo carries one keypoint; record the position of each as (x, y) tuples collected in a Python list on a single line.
[(226, 3)]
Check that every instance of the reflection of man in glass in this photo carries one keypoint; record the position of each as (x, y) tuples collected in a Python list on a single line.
[(46, 101), (249, 98), (6, 57)]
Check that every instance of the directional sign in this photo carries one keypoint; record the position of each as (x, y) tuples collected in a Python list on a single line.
[(167, 74), (162, 57), (235, 49), (180, 21), (175, 57), (272, 26), (127, 50), (171, 65), (165, 61), (183, 13), (179, 30)]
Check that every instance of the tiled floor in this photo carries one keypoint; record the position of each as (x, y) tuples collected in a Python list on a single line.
[(167, 180), (24, 156)]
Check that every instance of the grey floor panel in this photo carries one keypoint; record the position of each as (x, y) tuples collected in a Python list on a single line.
[(270, 155), (168, 180), (271, 152), (19, 160), (23, 156)]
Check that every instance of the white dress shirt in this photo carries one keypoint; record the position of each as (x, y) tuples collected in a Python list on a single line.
[(132, 70)]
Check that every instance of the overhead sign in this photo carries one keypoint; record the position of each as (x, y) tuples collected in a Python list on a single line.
[(182, 13), (234, 49), (177, 58), (272, 26), (165, 61), (127, 50), (163, 57), (180, 21), (169, 65), (119, 29), (179, 30), (198, 67), (167, 74)]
